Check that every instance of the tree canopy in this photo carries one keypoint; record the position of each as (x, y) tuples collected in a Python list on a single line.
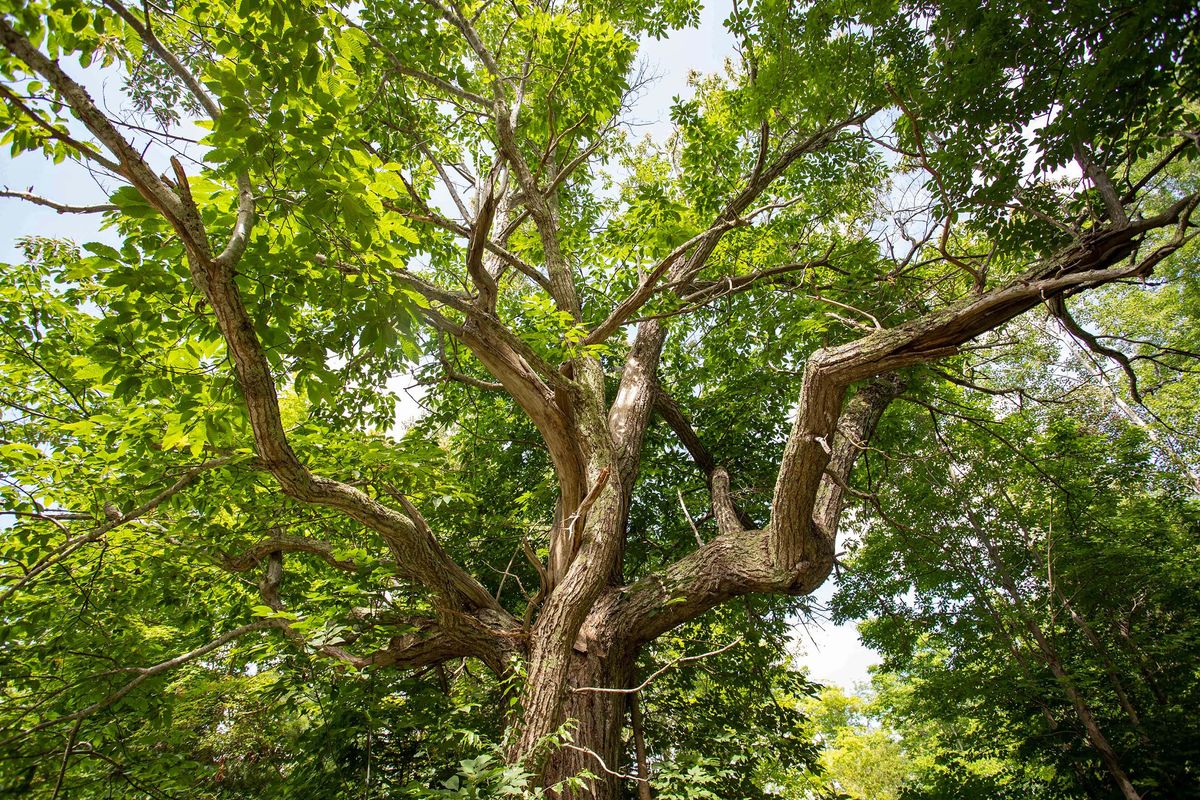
[(924, 271)]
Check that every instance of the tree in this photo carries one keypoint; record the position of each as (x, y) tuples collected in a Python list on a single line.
[(388, 188), (862, 758)]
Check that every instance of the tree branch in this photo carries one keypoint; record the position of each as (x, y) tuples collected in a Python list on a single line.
[(1058, 307), (718, 478), (795, 553), (286, 543), (73, 544), (130, 160), (424, 557), (431, 644), (61, 208), (60, 135), (669, 665), (1088, 262), (170, 59)]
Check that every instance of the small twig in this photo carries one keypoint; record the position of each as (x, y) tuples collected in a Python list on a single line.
[(66, 759), (691, 522), (603, 766), (639, 748), (537, 565), (677, 662)]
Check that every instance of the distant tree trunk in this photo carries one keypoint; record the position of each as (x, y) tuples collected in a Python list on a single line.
[(1050, 656), (1110, 670), (1095, 735), (639, 744)]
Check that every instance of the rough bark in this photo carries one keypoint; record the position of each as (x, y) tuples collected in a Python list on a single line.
[(597, 721), (739, 561)]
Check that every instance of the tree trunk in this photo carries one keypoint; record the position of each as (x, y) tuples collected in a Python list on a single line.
[(597, 722), (602, 657)]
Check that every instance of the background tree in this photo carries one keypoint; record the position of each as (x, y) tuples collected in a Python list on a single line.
[(862, 759), (193, 447), (1033, 590)]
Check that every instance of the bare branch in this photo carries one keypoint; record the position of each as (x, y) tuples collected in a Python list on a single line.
[(646, 286), (449, 184), (688, 516), (669, 665), (432, 218), (669, 410), (603, 766), (286, 543), (61, 208), (1058, 307)]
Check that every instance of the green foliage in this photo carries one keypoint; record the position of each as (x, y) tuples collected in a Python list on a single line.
[(1072, 521), (732, 726), (862, 759)]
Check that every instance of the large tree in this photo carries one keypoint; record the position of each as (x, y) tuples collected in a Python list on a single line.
[(452, 192)]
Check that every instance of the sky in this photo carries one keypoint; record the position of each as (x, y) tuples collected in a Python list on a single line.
[(68, 182), (831, 653)]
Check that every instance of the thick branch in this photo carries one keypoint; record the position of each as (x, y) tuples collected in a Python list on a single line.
[(855, 428), (1088, 262), (130, 160), (628, 418), (795, 553), (728, 516), (424, 558)]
